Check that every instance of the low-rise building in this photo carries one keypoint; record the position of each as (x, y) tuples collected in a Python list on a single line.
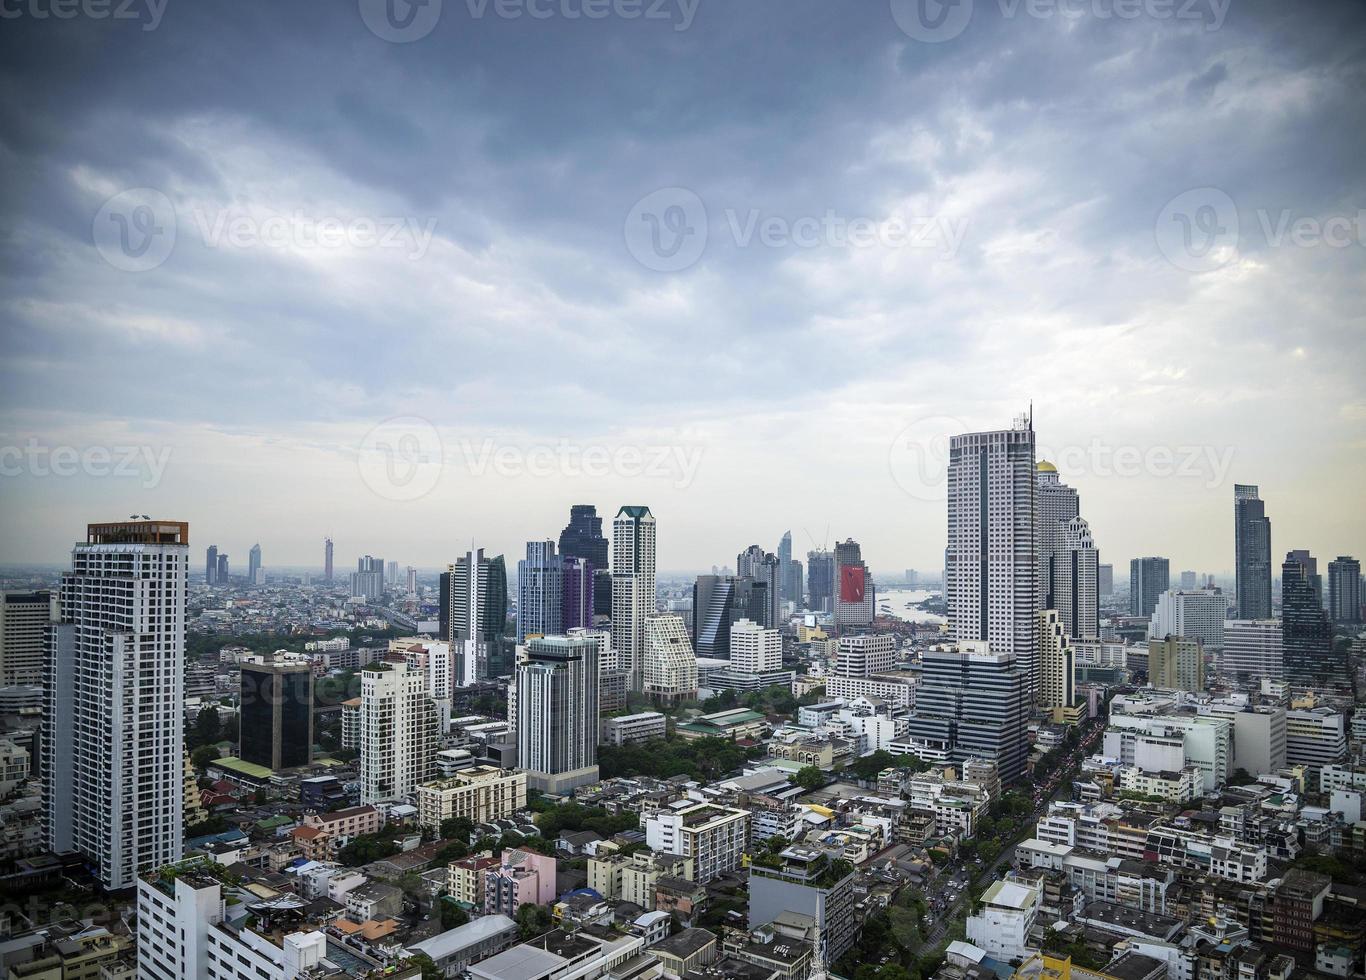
[(481, 793)]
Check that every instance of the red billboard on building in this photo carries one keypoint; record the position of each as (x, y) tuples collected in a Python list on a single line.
[(851, 583)]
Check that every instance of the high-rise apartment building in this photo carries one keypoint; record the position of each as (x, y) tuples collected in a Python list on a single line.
[(557, 713), (1344, 590), (211, 565), (670, 664), (765, 568), (254, 565), (222, 577), (820, 580), (327, 560), (276, 713), (1194, 615), (790, 571), (992, 563), (1105, 580), (1056, 686), (473, 613), (1252, 648), (1252, 553), (24, 621), (540, 592), (1176, 664), (1056, 504), (1187, 580), (1306, 634), (1148, 579), (855, 594), (754, 649), (583, 538), (114, 725), (973, 703), (1075, 574), (398, 726), (865, 655), (367, 581), (633, 588)]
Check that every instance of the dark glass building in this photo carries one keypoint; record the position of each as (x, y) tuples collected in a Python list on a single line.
[(1306, 634), (276, 721), (583, 538), (1148, 579), (1252, 553)]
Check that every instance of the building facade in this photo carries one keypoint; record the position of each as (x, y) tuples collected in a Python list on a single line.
[(633, 588), (1252, 553), (557, 713)]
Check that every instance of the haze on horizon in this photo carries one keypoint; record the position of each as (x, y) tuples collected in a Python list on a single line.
[(749, 265)]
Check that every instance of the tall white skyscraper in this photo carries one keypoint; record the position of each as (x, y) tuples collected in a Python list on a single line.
[(557, 712), (397, 731), (1075, 570), (633, 588), (754, 649), (993, 561), (114, 726)]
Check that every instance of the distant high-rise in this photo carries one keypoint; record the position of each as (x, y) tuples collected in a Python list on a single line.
[(327, 559), (410, 583), (1194, 615), (254, 565), (24, 621), (474, 600), (222, 577), (1057, 663), (1252, 553), (633, 588), (720, 601), (789, 571), (114, 721), (1148, 579), (557, 713), (276, 713), (1306, 634), (1344, 590), (820, 580), (855, 595), (974, 704), (583, 538), (540, 592), (993, 564), (754, 649), (398, 731), (367, 581), (1252, 648), (1310, 564), (1074, 569), (1176, 664), (1187, 580), (765, 568), (391, 573), (1056, 504), (576, 607), (211, 565), (1105, 580)]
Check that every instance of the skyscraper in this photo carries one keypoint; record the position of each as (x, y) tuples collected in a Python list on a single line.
[(540, 592), (789, 571), (1187, 580), (820, 580), (974, 704), (24, 621), (1194, 615), (474, 601), (367, 581), (222, 577), (276, 714), (1148, 579), (1306, 635), (1310, 564), (1056, 504), (1075, 569), (993, 565), (254, 565), (1105, 580), (754, 649), (1252, 553), (670, 664), (327, 559), (1057, 663), (557, 713), (398, 724), (583, 538), (576, 609), (720, 601), (211, 565), (1176, 664), (1252, 648), (855, 596), (766, 569), (114, 729), (633, 588), (1344, 590)]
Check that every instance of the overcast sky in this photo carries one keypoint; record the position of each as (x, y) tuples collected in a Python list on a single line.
[(416, 276)]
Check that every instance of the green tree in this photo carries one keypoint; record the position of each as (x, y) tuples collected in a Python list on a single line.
[(532, 920), (457, 828), (452, 915), (810, 777), (203, 756), (207, 729)]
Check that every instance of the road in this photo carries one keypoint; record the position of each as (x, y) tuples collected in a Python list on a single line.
[(1042, 794)]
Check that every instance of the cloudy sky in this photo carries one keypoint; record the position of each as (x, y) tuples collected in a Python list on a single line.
[(417, 275)]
